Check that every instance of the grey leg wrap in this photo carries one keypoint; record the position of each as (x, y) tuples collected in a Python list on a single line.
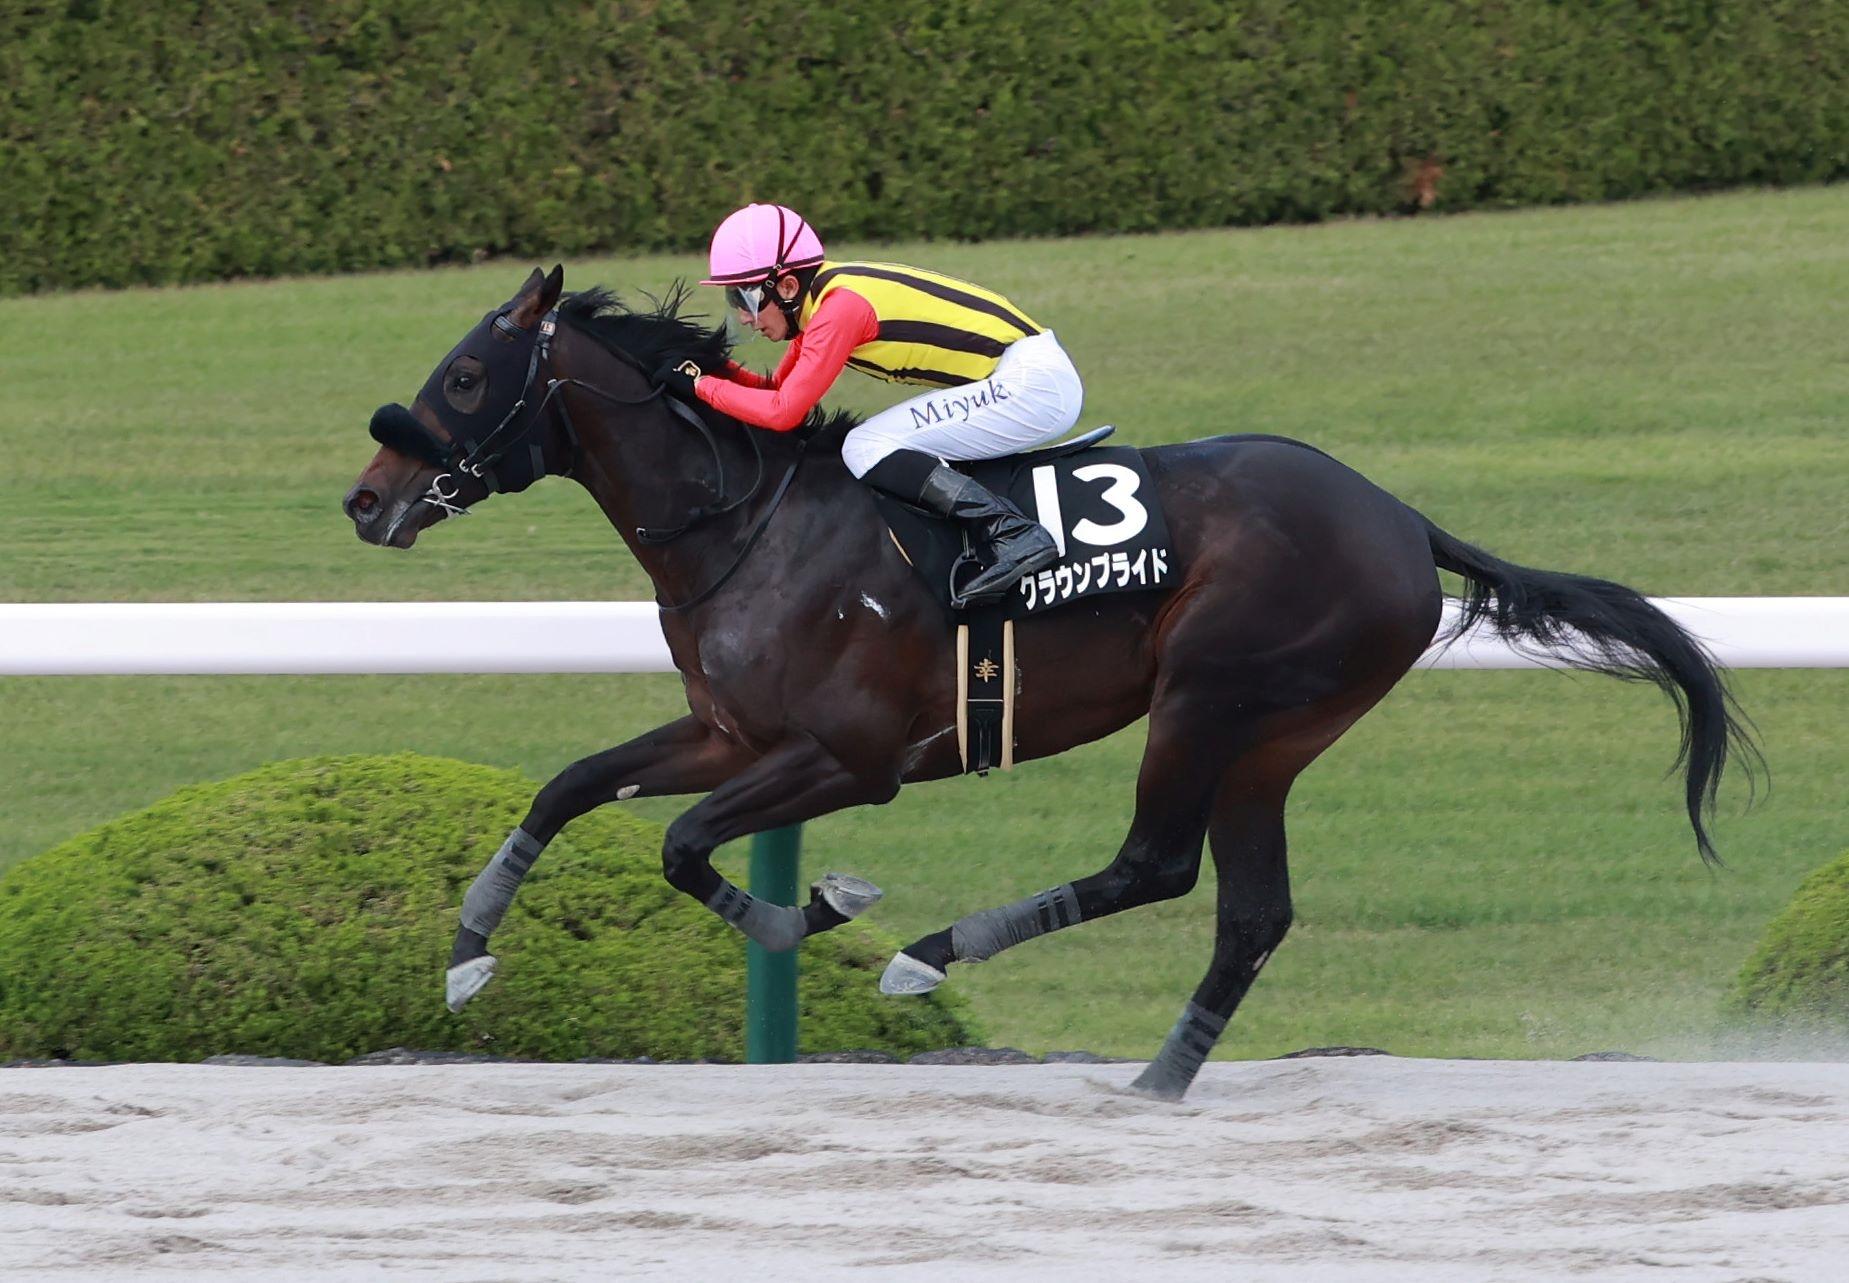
[(494, 887), (778, 927), (983, 935), (1182, 1053)]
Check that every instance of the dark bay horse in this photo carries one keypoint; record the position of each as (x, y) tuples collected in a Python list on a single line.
[(817, 666)]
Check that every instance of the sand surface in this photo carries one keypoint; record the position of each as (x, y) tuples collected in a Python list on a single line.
[(1362, 1169)]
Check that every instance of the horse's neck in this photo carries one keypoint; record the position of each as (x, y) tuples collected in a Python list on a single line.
[(645, 467)]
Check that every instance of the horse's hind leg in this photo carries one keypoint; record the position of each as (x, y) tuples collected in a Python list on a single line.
[(1252, 912), (1188, 748), (1252, 905)]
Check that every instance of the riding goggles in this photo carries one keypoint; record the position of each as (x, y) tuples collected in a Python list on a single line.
[(748, 299)]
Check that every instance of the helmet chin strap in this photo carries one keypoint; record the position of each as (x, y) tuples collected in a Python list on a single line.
[(790, 307)]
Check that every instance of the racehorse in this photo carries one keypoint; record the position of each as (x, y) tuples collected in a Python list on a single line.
[(816, 661)]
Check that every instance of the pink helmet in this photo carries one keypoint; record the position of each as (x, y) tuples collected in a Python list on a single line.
[(761, 241)]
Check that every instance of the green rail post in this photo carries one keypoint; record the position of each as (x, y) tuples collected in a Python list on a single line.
[(770, 978)]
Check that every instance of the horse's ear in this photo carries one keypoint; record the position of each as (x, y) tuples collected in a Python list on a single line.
[(539, 295)]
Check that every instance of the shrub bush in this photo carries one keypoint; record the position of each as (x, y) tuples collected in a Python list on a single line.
[(1798, 978), (307, 908), (159, 143)]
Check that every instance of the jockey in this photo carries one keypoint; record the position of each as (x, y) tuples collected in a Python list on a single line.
[(999, 382)]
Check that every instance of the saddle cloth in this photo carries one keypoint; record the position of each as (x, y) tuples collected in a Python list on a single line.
[(1100, 508), (1097, 502)]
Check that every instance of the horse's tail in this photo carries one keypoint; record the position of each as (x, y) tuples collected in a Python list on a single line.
[(1604, 627)]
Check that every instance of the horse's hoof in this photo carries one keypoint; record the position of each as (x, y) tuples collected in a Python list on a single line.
[(1158, 1086), (466, 979), (848, 896), (906, 974)]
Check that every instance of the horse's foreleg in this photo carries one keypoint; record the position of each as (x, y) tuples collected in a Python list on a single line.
[(796, 781), (1159, 860), (682, 757)]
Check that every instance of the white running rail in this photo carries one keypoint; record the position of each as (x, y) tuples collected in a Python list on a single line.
[(625, 637)]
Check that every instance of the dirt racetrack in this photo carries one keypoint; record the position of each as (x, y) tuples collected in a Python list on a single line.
[(1357, 1169)]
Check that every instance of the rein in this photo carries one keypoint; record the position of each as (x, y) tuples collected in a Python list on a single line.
[(685, 412), (704, 513), (658, 535)]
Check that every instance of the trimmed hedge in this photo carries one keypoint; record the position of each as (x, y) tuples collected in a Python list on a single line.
[(1798, 979), (306, 909), (161, 143)]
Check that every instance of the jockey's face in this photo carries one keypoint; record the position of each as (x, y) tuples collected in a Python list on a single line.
[(770, 320)]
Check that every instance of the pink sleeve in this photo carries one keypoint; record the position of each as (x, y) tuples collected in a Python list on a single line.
[(787, 364), (842, 323), (746, 377)]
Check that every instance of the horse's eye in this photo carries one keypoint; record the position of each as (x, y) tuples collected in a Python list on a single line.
[(464, 382)]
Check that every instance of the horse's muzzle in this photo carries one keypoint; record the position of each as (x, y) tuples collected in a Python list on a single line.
[(361, 505), (378, 521)]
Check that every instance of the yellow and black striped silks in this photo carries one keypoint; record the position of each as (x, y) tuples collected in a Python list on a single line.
[(934, 330)]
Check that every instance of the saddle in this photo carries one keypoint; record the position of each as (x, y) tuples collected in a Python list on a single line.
[(1101, 509)]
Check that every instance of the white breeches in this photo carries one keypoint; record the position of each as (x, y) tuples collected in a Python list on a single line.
[(1032, 398)]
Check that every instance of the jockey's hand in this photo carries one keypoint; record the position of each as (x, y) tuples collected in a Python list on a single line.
[(678, 378)]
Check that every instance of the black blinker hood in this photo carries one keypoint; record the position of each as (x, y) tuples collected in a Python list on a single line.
[(512, 459)]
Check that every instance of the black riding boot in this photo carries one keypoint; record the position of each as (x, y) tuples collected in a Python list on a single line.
[(1019, 546)]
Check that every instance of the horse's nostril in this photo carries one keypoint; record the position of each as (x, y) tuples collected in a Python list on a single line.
[(360, 503)]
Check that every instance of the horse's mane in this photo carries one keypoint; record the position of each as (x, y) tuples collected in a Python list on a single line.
[(660, 334)]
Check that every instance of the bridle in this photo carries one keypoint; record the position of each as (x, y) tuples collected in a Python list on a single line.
[(397, 427), (457, 452), (485, 455)]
